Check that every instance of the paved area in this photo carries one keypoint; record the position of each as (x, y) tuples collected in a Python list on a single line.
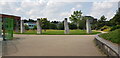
[(52, 45), (1, 46)]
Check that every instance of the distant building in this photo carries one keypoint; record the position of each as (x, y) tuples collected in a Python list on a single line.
[(16, 19), (30, 25), (8, 23)]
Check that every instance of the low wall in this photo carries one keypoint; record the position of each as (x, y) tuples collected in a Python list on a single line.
[(107, 47)]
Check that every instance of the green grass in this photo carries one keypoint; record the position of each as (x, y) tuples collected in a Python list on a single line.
[(59, 32), (113, 36)]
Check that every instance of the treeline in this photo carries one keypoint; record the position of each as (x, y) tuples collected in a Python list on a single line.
[(45, 24), (79, 22)]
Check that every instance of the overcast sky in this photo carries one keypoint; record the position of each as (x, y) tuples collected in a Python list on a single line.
[(58, 10)]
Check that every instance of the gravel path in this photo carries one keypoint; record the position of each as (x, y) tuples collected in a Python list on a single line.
[(52, 45)]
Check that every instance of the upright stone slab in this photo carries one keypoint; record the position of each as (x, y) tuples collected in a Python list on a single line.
[(66, 27), (0, 26), (88, 26), (22, 26), (17, 27), (39, 29)]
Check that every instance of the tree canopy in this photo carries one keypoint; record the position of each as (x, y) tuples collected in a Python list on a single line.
[(75, 17)]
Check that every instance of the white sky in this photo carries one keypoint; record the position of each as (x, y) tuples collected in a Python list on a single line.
[(58, 10)]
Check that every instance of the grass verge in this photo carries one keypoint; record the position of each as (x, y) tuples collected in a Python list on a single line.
[(59, 32), (113, 36)]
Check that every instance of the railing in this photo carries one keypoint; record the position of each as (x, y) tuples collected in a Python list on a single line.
[(107, 47)]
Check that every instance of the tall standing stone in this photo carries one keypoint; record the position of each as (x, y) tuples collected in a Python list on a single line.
[(22, 26), (66, 27), (39, 29), (17, 27), (0, 26), (88, 26), (1, 38)]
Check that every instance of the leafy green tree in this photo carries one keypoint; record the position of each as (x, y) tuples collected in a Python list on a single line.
[(101, 22), (102, 19), (26, 27), (53, 26), (116, 19), (83, 21), (75, 17), (72, 26), (35, 27), (61, 25), (44, 23)]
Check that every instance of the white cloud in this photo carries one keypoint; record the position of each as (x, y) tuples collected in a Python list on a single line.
[(60, 0), (103, 8), (53, 9)]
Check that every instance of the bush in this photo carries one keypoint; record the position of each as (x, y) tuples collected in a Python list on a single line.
[(113, 36), (105, 28), (26, 27), (115, 27)]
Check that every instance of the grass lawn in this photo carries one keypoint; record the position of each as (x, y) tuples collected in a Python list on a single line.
[(60, 32), (113, 36)]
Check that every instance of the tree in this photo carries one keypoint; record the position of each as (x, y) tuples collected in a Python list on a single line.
[(72, 26), (35, 27), (75, 17), (83, 21), (116, 19), (53, 26), (31, 20), (61, 25), (26, 27), (101, 22), (102, 19), (44, 23)]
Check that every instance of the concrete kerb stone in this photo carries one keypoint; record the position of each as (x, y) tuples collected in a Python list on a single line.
[(107, 47)]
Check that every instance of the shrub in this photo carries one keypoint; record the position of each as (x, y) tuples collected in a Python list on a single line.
[(26, 27), (115, 27), (105, 28), (113, 36)]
